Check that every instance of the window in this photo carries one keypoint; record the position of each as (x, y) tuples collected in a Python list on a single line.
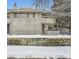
[(15, 15), (34, 15), (27, 14), (50, 27), (45, 15), (21, 15), (47, 27), (8, 16), (8, 28)]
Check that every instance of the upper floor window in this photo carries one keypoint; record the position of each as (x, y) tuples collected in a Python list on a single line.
[(21, 15), (45, 15)]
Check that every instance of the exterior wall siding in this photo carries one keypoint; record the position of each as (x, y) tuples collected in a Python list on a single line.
[(28, 25)]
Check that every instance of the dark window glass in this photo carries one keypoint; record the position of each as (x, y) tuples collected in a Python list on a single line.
[(8, 28)]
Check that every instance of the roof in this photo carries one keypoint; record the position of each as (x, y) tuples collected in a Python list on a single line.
[(20, 10)]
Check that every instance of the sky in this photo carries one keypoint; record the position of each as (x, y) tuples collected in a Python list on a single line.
[(20, 3)]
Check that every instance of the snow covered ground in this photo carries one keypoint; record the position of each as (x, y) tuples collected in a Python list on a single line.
[(38, 36), (35, 51)]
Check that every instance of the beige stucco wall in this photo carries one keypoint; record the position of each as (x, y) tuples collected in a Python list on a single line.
[(28, 25)]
